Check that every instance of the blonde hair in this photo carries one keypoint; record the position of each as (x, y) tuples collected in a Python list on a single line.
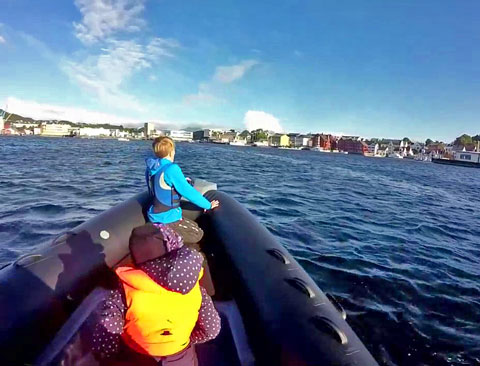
[(163, 146)]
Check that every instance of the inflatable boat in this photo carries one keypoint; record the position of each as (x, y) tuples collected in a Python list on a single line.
[(272, 312)]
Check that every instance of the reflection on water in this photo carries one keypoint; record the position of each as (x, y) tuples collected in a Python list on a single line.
[(395, 241)]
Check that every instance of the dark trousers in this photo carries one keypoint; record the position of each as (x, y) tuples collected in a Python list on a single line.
[(187, 357), (192, 234), (128, 357), (188, 230)]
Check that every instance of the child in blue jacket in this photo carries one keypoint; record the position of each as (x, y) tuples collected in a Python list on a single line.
[(167, 184)]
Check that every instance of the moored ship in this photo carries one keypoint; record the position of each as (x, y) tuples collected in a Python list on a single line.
[(462, 158)]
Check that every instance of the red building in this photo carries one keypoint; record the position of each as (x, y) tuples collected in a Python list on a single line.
[(352, 146), (324, 142)]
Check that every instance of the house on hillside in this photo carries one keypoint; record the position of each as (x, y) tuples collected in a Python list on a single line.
[(228, 137), (466, 147), (418, 147), (245, 135)]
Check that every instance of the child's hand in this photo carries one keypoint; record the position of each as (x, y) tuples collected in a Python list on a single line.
[(214, 204)]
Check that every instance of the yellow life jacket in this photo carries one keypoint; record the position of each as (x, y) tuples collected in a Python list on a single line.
[(158, 321)]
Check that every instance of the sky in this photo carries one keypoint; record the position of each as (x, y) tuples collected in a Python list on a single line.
[(372, 68)]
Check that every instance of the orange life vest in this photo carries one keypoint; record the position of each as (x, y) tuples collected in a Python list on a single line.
[(158, 321)]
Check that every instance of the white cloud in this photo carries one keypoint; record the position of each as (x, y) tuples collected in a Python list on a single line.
[(228, 74), (35, 110), (160, 47), (203, 96), (259, 119), (2, 40), (44, 111), (102, 18), (298, 53), (200, 97), (223, 75), (103, 75)]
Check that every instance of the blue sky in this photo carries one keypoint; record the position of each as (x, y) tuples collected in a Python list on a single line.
[(373, 68)]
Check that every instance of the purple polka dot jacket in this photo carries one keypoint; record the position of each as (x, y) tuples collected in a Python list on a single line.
[(178, 270)]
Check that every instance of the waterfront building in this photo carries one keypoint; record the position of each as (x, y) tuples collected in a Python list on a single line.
[(180, 135), (94, 132), (405, 149), (228, 137), (37, 130), (54, 129), (118, 133), (300, 141), (417, 147), (324, 142), (436, 149), (292, 137), (149, 128), (393, 142), (373, 149), (352, 146), (247, 136), (278, 140), (466, 147), (202, 135), (347, 137), (9, 131), (24, 124), (2, 123)]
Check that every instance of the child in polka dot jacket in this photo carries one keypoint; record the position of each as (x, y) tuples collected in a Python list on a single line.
[(159, 311)]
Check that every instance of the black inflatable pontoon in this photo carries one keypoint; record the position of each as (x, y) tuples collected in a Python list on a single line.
[(272, 312)]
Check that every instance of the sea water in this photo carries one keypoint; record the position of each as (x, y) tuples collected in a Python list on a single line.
[(397, 242)]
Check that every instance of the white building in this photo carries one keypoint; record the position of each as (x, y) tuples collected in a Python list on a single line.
[(405, 149), (24, 124), (94, 131), (149, 129), (181, 135), (373, 149), (118, 133), (54, 129), (418, 147), (37, 130), (2, 124)]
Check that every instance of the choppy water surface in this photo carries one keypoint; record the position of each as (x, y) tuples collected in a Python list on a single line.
[(397, 242)]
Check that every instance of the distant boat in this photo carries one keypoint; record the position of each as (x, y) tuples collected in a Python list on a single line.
[(238, 143), (461, 158), (123, 139), (395, 156), (261, 144)]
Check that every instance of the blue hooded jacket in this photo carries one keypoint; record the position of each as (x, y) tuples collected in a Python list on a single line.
[(173, 177)]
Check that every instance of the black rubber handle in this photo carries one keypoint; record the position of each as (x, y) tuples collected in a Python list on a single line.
[(328, 327), (302, 286), (278, 254), (337, 305), (32, 258)]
